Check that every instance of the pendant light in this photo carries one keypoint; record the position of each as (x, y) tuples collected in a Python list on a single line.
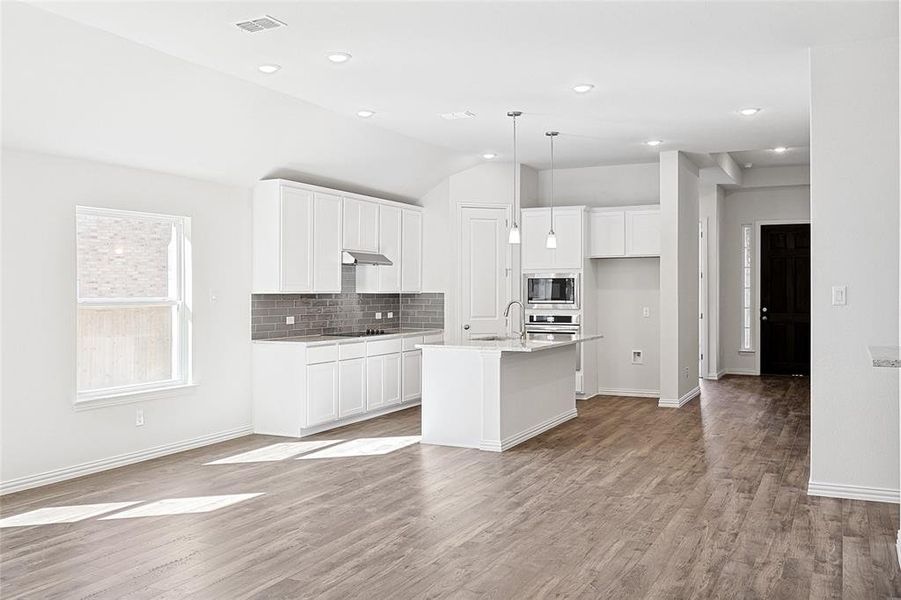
[(514, 231), (551, 241)]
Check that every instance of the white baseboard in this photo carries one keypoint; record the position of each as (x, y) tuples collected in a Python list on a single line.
[(853, 492), (513, 440), (629, 392), (753, 372), (680, 402), (105, 464), (715, 376)]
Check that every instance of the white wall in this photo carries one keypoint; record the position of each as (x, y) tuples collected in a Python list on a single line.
[(679, 199), (749, 206), (74, 90), (41, 430), (854, 187), (612, 185)]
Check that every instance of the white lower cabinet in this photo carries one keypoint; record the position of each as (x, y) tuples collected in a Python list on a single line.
[(351, 387), (322, 393), (412, 388), (383, 380), (298, 388)]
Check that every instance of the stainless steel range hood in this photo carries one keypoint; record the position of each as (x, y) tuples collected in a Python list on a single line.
[(352, 257)]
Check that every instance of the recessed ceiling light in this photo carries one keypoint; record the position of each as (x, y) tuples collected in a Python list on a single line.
[(365, 114), (780, 149), (749, 165), (269, 69), (654, 142), (489, 155), (749, 112), (583, 88), (339, 57)]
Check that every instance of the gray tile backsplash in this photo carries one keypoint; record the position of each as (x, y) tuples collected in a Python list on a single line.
[(316, 314)]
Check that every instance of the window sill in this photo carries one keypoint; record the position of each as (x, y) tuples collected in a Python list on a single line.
[(117, 398)]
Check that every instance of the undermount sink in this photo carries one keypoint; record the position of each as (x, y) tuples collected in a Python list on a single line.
[(493, 338)]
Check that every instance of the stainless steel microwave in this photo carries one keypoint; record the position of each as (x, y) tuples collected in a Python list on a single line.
[(552, 290)]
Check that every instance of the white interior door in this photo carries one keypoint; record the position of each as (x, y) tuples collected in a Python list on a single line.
[(483, 255)]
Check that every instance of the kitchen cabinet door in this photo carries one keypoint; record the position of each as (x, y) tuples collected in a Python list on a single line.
[(351, 387), (536, 222), (391, 381), (389, 244), (411, 252), (361, 225), (412, 375), (326, 243), (375, 397), (643, 232), (296, 240), (607, 233), (322, 393), (568, 227)]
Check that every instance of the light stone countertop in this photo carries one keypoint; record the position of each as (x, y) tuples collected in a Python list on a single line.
[(886, 356), (325, 340), (513, 344)]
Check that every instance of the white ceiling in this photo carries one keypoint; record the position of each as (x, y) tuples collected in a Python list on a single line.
[(767, 158), (676, 71)]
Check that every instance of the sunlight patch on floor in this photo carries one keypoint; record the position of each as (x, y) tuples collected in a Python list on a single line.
[(275, 452), (364, 447), (62, 514), (182, 506)]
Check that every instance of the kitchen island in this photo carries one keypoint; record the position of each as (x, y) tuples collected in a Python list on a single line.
[(495, 393)]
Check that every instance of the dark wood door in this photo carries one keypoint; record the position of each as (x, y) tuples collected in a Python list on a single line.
[(785, 299)]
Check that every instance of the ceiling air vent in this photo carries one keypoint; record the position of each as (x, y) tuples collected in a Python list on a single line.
[(264, 23)]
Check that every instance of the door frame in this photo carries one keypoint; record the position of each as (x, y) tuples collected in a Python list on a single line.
[(457, 256), (756, 328), (703, 301)]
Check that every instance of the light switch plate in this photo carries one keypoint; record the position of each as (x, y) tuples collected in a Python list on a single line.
[(646, 312), (839, 295)]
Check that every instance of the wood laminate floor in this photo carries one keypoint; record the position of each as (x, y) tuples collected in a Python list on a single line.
[(627, 501)]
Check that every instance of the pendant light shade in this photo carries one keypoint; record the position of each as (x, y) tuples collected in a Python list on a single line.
[(514, 237), (551, 241)]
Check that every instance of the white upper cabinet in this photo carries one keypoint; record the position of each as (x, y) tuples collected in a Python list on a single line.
[(361, 225), (568, 226), (607, 233), (389, 245), (292, 231), (643, 232), (300, 232), (326, 244), (411, 251), (630, 231)]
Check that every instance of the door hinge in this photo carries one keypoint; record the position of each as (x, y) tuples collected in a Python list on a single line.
[(702, 315)]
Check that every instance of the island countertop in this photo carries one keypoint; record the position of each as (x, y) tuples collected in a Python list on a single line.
[(535, 343)]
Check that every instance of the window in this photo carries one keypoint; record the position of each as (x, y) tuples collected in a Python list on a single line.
[(133, 292), (746, 307)]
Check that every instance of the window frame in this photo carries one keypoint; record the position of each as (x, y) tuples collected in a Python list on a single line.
[(182, 355), (746, 298)]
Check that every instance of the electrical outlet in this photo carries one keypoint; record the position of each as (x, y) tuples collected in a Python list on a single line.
[(637, 357), (685, 372), (214, 295), (378, 315), (646, 311), (390, 315), (839, 295), (139, 417), (289, 320)]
